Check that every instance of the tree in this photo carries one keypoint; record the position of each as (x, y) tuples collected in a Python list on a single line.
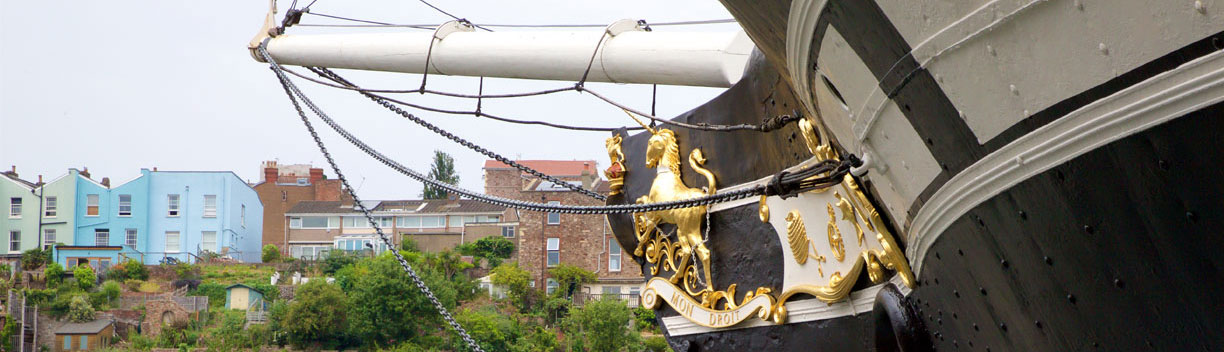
[(443, 170), (318, 314), (517, 281), (85, 277), (602, 326), (79, 310), (270, 254), (387, 307), (493, 249), (569, 277), (493, 331), (34, 258)]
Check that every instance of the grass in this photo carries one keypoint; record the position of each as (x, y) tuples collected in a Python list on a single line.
[(235, 273)]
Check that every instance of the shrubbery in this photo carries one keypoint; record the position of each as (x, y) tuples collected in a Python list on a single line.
[(85, 277), (270, 254)]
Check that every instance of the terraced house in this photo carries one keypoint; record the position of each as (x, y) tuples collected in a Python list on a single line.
[(159, 216), (20, 213), (317, 227)]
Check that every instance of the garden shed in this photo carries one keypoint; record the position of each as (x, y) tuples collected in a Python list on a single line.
[(243, 297)]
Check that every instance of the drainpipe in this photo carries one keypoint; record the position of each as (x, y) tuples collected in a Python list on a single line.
[(186, 200), (38, 235)]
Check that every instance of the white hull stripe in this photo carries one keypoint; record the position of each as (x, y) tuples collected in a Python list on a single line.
[(1191, 87)]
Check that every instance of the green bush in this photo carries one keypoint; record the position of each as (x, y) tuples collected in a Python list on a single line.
[(80, 311), (493, 249), (107, 295), (187, 271), (127, 270), (644, 319), (214, 291), (270, 254), (85, 277), (656, 344), (601, 326), (54, 274), (318, 315), (569, 278)]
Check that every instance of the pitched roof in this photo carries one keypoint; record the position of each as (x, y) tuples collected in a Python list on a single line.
[(319, 207), (92, 327), (427, 206), (25, 183), (439, 206), (550, 167)]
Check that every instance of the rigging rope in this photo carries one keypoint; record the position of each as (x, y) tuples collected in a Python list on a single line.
[(768, 125), (785, 184), (328, 73)]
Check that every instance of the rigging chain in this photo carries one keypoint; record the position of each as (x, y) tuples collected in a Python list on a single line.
[(331, 75), (823, 174)]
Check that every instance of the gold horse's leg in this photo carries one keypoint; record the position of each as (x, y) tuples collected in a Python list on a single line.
[(685, 256), (703, 253)]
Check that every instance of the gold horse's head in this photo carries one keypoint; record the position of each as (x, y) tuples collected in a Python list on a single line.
[(661, 144)]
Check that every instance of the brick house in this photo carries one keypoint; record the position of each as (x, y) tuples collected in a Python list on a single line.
[(545, 240), (317, 227), (282, 187)]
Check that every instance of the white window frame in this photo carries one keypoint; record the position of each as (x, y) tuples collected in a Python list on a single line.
[(14, 240), (49, 236), (549, 216), (99, 239), (50, 207), (95, 202), (204, 245), (210, 210), (616, 255), (295, 222), (552, 246), (333, 222), (242, 216), (551, 286), (356, 222), (129, 237), (178, 242), (172, 205), (128, 213), (508, 229), (15, 204)]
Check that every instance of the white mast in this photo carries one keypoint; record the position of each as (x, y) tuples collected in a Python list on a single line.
[(626, 55)]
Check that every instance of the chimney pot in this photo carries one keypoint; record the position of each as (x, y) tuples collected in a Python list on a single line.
[(106, 181), (40, 179), (316, 175), (154, 169), (271, 174)]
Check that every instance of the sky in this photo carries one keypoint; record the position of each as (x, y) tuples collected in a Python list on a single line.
[(117, 86)]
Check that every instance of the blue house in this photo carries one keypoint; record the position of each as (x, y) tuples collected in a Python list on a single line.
[(164, 215)]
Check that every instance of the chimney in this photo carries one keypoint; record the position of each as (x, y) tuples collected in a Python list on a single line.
[(85, 172), (154, 169), (106, 181), (271, 174), (316, 175), (40, 179), (14, 172)]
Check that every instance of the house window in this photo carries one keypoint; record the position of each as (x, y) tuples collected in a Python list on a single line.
[(210, 241), (284, 196), (612, 290), (508, 231), (15, 207), (554, 251), (386, 221), (210, 206), (554, 218), (67, 343), (408, 222), (129, 238), (91, 205), (356, 222), (172, 205), (635, 291), (433, 221), (243, 215), (320, 222), (552, 286), (614, 255), (295, 222), (48, 236), (125, 205), (101, 237), (50, 207), (14, 240), (84, 342), (172, 241)]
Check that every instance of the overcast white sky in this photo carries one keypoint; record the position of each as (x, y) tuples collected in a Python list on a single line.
[(121, 85)]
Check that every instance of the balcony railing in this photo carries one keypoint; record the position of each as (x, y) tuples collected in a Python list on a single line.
[(632, 300)]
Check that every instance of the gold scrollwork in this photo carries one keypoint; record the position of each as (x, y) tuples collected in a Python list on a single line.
[(835, 237), (848, 214), (796, 235), (615, 172)]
